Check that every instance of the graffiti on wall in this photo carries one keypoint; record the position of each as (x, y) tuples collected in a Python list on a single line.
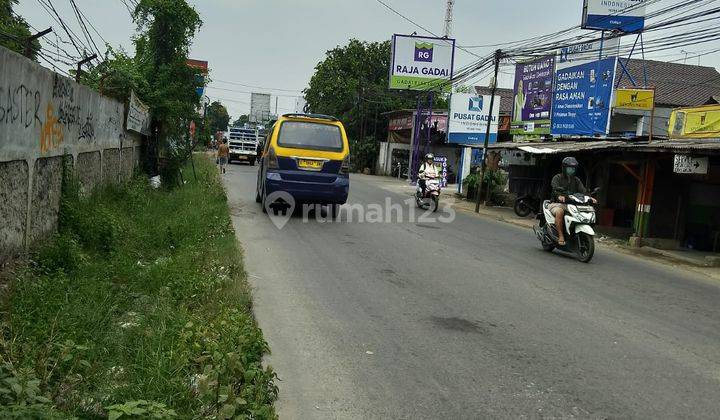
[(42, 112), (20, 105), (51, 135)]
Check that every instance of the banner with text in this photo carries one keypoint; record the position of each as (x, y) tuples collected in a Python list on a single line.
[(533, 97), (584, 80), (469, 119), (421, 63), (138, 116), (614, 15)]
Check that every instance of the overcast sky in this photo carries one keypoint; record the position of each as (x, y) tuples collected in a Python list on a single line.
[(275, 44)]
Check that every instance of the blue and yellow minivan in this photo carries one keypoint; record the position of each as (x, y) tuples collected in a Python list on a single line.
[(306, 156)]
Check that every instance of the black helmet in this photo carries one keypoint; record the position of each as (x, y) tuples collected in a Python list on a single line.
[(570, 162), (429, 156)]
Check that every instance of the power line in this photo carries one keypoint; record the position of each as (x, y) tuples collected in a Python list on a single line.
[(387, 6), (256, 87)]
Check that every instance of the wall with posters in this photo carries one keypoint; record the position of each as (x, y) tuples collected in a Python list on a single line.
[(533, 97), (469, 118), (584, 81), (614, 15), (421, 63)]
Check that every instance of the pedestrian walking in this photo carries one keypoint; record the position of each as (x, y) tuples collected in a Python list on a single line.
[(223, 154)]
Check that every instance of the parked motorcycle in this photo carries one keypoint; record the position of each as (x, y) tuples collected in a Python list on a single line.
[(579, 235), (526, 204), (431, 198)]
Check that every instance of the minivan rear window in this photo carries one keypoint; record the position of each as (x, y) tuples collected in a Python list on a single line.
[(309, 135)]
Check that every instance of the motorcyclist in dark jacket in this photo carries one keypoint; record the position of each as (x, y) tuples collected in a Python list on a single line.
[(563, 185)]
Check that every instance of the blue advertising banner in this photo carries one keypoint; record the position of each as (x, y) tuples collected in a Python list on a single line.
[(614, 15), (581, 100), (533, 97)]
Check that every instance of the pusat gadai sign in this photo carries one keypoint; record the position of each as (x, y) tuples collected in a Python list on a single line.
[(421, 63), (614, 15)]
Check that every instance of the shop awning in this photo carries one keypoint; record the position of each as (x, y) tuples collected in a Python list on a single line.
[(701, 146)]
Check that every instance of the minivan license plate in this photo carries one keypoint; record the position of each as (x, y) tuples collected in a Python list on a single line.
[(310, 164)]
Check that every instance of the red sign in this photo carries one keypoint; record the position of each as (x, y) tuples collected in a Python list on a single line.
[(192, 129), (405, 122), (198, 64)]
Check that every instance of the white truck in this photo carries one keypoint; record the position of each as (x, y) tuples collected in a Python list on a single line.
[(243, 144)]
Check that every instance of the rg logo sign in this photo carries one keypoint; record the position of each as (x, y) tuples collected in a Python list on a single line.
[(424, 52)]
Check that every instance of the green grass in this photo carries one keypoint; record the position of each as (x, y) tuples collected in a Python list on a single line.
[(138, 307)]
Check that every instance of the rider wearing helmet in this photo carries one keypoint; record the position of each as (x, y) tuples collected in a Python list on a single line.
[(563, 185), (427, 171)]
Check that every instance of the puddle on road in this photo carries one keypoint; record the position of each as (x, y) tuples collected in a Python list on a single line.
[(460, 324)]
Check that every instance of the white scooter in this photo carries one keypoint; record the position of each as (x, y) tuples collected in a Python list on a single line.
[(431, 198), (579, 235)]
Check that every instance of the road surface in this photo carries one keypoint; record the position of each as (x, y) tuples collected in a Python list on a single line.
[(470, 319)]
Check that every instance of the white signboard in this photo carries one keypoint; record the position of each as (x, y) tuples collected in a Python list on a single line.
[(614, 15), (259, 107), (586, 53), (138, 117), (469, 118), (685, 164), (421, 63)]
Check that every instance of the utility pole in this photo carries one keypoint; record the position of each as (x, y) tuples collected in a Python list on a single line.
[(498, 56), (448, 18), (29, 40), (81, 63)]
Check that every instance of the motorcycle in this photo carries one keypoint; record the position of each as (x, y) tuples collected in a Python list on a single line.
[(431, 198), (526, 204), (579, 235)]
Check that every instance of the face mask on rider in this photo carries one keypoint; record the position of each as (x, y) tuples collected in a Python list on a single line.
[(570, 171)]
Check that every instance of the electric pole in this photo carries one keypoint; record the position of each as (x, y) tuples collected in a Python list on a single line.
[(81, 63), (498, 56), (29, 40)]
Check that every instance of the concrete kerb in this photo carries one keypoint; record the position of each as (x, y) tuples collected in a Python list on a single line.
[(506, 215)]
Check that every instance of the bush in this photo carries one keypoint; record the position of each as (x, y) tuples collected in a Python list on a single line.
[(363, 153)]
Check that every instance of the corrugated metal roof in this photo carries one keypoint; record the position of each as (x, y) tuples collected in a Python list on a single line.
[(705, 146)]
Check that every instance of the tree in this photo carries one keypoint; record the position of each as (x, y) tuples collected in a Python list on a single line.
[(166, 29), (14, 30), (217, 117), (351, 84), (241, 120)]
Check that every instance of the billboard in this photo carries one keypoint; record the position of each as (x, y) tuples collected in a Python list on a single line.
[(614, 15), (259, 107), (533, 97), (584, 80), (701, 122), (469, 118), (421, 63), (631, 98)]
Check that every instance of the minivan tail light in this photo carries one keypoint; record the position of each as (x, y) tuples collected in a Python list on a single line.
[(272, 159), (345, 167)]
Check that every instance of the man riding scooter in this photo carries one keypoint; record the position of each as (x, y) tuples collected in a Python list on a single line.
[(563, 185), (427, 170)]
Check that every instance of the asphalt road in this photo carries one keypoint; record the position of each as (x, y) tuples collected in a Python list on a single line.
[(470, 319)]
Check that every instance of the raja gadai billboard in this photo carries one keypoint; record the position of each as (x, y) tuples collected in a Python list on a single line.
[(614, 15), (421, 63), (533, 97)]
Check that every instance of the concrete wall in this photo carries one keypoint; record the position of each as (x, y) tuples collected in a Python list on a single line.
[(46, 119)]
